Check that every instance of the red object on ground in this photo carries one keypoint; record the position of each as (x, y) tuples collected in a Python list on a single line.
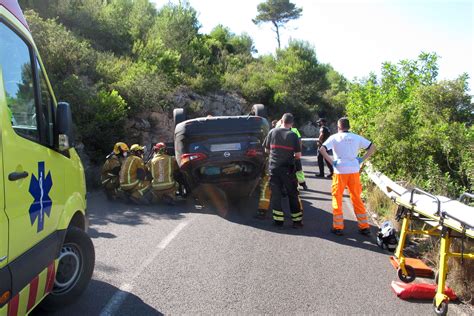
[(421, 269), (419, 291)]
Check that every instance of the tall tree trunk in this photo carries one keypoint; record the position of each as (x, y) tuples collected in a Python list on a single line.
[(277, 31)]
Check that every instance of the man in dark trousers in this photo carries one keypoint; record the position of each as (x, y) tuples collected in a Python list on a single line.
[(285, 148), (324, 134)]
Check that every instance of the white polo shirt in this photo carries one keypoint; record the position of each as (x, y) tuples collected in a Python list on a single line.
[(345, 147)]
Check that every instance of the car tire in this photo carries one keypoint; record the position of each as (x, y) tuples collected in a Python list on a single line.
[(179, 115), (259, 110), (77, 256)]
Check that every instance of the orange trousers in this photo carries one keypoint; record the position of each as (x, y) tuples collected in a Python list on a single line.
[(352, 182)]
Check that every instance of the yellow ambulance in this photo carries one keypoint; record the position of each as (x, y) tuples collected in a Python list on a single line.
[(46, 255)]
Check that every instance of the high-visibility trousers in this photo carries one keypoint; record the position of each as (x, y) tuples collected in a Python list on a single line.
[(279, 179), (300, 176), (352, 182), (159, 194), (299, 172), (139, 190), (265, 193)]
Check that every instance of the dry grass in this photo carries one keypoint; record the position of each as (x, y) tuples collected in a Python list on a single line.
[(378, 203), (460, 276)]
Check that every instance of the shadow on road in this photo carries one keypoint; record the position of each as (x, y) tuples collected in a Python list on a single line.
[(96, 297), (317, 223)]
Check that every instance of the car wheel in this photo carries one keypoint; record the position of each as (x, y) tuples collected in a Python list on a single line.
[(75, 268), (259, 110), (179, 115)]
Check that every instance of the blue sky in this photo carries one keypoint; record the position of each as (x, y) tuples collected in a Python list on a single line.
[(357, 36)]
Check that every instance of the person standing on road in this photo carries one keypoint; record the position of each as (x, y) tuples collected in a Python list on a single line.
[(265, 191), (285, 149), (324, 134), (299, 166), (345, 146)]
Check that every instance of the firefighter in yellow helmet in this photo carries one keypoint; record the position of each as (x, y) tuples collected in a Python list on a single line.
[(162, 168), (109, 175), (133, 176)]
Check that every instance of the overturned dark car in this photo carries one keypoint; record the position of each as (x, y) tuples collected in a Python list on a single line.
[(223, 151)]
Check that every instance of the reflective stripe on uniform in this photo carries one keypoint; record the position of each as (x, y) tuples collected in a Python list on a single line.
[(127, 186), (129, 171), (278, 216), (163, 186)]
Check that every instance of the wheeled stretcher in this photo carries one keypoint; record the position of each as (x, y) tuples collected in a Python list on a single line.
[(447, 218)]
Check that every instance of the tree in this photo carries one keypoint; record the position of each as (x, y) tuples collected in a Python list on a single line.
[(422, 127), (278, 12)]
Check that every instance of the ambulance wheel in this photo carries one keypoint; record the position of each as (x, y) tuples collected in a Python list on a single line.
[(442, 309), (259, 110), (410, 277), (75, 267), (179, 115)]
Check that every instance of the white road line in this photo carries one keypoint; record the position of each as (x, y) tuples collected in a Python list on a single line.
[(119, 297)]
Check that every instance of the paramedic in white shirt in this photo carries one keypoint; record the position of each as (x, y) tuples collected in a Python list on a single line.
[(345, 146)]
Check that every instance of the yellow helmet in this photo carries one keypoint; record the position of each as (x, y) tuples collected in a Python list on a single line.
[(120, 147), (136, 147)]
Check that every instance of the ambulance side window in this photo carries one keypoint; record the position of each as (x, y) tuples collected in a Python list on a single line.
[(47, 108), (18, 78)]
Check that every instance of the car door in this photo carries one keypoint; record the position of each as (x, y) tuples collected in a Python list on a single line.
[(33, 170)]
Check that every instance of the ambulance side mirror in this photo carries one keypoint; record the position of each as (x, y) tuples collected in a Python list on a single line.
[(64, 126)]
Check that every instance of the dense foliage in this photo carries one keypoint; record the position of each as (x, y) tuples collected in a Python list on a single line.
[(422, 127), (116, 59)]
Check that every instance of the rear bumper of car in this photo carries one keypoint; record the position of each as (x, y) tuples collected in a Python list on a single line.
[(233, 182)]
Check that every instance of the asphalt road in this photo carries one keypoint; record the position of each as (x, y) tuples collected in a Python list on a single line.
[(188, 259)]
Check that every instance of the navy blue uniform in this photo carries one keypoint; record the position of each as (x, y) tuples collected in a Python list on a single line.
[(283, 144)]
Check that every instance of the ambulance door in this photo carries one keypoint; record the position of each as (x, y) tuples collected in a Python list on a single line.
[(33, 171), (5, 277)]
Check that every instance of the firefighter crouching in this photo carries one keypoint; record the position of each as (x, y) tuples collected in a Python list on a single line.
[(162, 168), (133, 176), (109, 176)]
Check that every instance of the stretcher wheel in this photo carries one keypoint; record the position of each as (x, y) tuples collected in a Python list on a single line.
[(442, 309), (410, 277)]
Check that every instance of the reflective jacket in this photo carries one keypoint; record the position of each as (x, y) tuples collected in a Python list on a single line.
[(162, 168), (132, 172), (110, 169)]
